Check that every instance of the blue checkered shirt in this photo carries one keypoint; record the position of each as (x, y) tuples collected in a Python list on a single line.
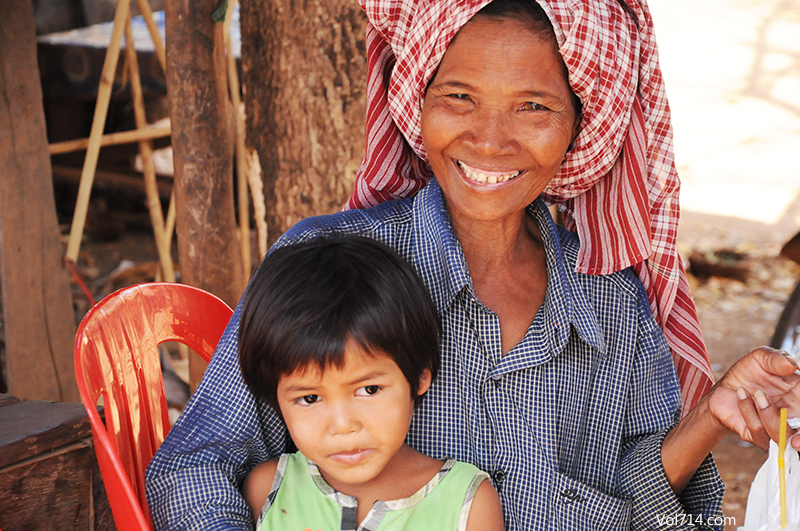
[(568, 424)]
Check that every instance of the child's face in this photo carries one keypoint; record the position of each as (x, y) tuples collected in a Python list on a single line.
[(350, 421)]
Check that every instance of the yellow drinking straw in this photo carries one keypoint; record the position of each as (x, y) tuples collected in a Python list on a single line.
[(782, 466)]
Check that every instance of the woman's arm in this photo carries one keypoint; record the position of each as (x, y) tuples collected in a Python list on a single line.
[(746, 401), (193, 480), (258, 484), (653, 409)]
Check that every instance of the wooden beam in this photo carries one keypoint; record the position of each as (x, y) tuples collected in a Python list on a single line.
[(37, 299)]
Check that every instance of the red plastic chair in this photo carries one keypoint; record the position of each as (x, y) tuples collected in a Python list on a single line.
[(116, 356)]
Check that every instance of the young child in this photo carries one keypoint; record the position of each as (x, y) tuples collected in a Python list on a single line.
[(341, 337)]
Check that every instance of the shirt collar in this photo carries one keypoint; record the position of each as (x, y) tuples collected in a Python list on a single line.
[(566, 304), (440, 261), (437, 252)]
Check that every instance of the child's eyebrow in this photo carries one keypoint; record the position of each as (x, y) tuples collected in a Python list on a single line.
[(368, 376), (300, 388)]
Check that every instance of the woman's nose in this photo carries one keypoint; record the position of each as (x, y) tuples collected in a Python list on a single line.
[(492, 134)]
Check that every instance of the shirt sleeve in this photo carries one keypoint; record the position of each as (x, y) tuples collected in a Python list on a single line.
[(655, 506), (653, 407), (193, 480)]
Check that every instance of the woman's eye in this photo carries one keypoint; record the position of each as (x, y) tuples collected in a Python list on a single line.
[(308, 399), (368, 390), (533, 106), (462, 97)]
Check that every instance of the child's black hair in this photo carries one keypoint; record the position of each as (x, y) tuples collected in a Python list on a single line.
[(308, 299)]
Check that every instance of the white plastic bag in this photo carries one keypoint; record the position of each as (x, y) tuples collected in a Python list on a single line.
[(763, 503)]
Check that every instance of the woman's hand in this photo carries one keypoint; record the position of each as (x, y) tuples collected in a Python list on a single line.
[(747, 400)]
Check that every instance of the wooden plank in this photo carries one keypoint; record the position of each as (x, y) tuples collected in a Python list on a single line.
[(7, 400), (39, 319), (31, 427), (51, 493)]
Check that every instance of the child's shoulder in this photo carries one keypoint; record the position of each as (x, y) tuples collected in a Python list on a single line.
[(485, 512), (481, 505)]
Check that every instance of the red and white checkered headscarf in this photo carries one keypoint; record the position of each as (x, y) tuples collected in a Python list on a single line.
[(617, 188)]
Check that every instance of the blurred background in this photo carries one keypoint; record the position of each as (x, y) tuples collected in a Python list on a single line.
[(732, 70)]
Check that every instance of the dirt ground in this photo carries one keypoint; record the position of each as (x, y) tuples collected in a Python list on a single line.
[(737, 315)]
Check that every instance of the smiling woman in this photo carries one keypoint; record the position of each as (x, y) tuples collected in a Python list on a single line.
[(617, 186), (496, 130)]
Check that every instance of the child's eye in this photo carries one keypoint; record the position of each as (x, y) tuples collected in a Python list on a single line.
[(532, 106), (368, 390), (308, 399)]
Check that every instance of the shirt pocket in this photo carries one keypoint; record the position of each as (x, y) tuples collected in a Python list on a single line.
[(578, 507)]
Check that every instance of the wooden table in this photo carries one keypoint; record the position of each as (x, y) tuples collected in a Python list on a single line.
[(49, 478)]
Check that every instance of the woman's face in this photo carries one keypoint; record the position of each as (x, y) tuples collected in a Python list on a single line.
[(497, 118)]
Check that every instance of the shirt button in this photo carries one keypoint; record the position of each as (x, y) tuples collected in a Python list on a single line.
[(498, 476)]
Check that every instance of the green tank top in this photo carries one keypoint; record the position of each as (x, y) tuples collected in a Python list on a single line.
[(301, 500)]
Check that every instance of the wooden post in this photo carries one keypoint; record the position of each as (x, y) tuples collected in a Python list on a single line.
[(241, 150), (37, 301), (202, 142)]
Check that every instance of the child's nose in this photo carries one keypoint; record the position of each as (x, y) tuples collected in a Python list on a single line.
[(342, 419)]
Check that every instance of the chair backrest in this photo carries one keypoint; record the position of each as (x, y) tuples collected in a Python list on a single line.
[(116, 357)]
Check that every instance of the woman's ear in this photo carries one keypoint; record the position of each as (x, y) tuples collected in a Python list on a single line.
[(424, 382)]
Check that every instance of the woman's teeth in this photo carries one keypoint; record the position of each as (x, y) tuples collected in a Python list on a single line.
[(486, 177)]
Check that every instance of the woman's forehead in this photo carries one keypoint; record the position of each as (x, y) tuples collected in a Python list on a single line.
[(500, 51)]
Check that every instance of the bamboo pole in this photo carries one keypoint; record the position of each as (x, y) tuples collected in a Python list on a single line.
[(241, 152), (100, 112), (170, 226), (147, 14), (146, 151), (112, 139), (256, 181)]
